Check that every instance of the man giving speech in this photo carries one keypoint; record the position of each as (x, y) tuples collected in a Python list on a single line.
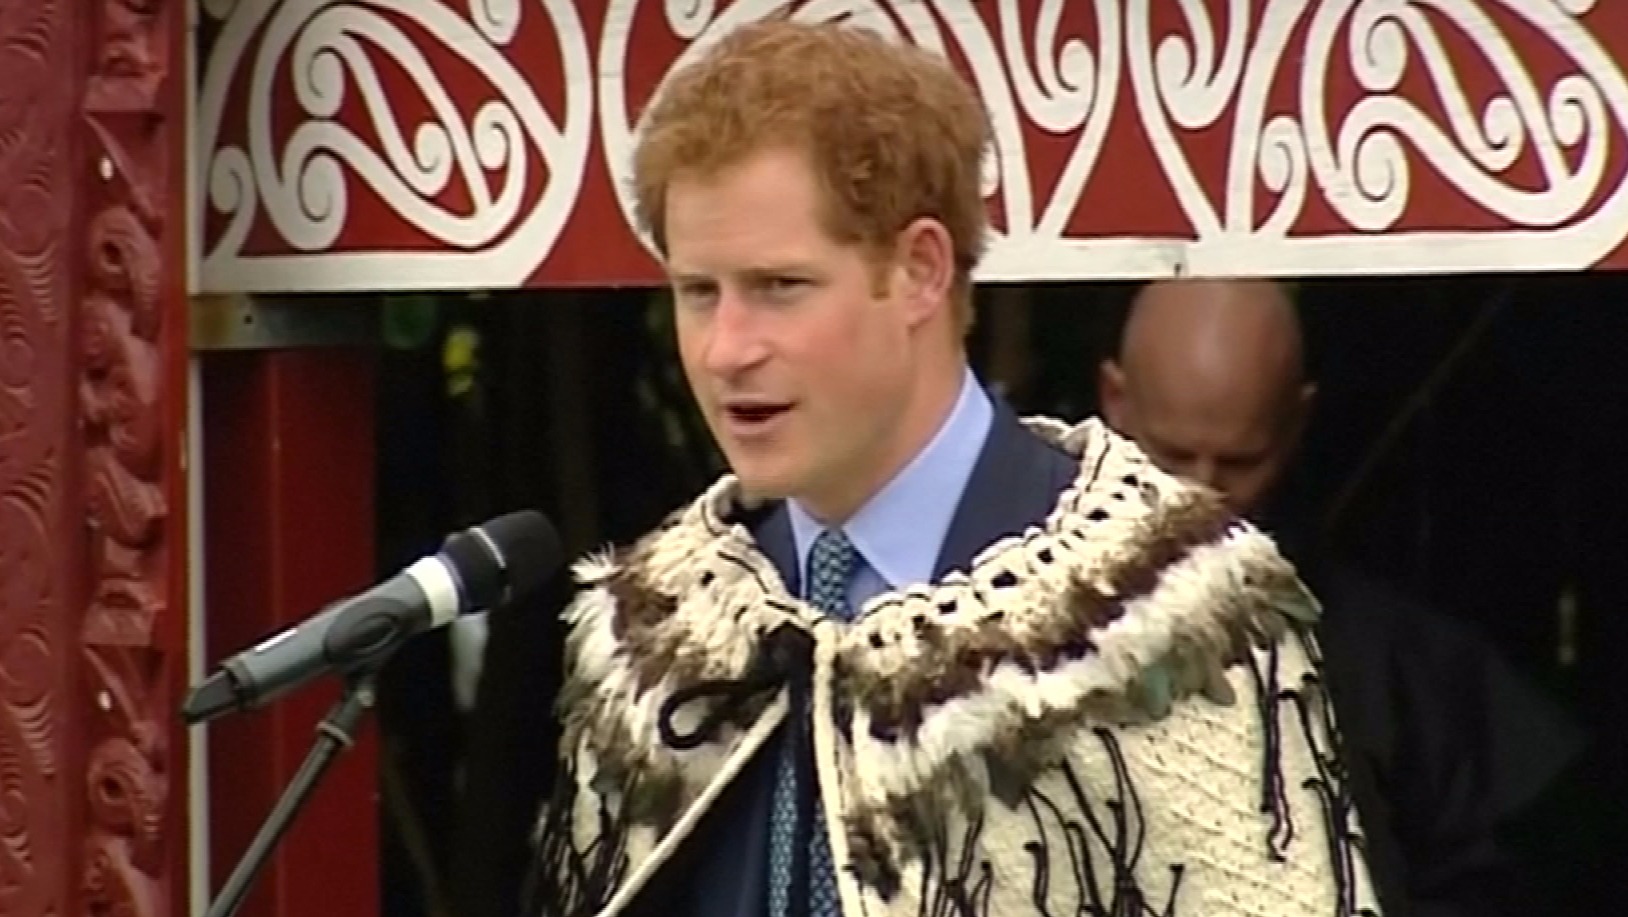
[(914, 655)]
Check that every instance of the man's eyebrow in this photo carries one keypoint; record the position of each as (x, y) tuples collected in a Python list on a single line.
[(754, 274), (688, 277), (766, 271)]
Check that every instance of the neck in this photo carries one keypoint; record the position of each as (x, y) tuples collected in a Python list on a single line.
[(931, 398)]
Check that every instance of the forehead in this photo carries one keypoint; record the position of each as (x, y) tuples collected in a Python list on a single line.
[(764, 209), (1198, 414)]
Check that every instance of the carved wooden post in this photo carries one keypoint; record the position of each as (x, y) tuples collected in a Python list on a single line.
[(132, 353), (92, 521)]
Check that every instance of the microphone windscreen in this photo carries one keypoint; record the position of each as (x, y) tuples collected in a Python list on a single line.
[(503, 558), (530, 548)]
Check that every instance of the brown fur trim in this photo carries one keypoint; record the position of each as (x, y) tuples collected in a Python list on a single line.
[(955, 664)]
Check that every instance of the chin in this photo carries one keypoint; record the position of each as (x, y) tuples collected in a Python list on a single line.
[(758, 481)]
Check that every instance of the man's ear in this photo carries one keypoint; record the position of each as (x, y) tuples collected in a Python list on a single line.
[(926, 260), (1113, 402)]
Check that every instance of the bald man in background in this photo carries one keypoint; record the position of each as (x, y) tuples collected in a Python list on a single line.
[(1211, 383), (1452, 748)]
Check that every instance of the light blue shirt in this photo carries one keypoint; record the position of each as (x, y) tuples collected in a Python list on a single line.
[(900, 531)]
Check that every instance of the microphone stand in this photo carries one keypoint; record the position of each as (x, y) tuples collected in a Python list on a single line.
[(335, 734)]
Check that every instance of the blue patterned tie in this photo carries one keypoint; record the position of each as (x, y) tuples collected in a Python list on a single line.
[(831, 566)]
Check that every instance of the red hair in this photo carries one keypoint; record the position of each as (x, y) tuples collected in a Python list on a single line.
[(892, 132)]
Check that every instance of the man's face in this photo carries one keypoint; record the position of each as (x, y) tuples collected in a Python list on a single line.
[(1238, 443), (793, 345)]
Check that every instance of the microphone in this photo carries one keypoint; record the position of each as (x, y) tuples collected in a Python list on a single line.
[(475, 569)]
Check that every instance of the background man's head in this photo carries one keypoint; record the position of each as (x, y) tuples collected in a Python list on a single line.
[(1210, 382), (815, 192)]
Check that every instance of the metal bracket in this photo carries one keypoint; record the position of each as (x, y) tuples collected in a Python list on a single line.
[(243, 322)]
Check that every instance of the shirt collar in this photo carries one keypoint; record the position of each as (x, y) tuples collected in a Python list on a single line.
[(900, 531)]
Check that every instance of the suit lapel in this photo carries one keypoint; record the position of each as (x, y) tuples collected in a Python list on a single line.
[(775, 540), (1015, 484)]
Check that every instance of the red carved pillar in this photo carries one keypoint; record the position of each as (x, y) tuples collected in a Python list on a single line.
[(131, 419), (92, 491)]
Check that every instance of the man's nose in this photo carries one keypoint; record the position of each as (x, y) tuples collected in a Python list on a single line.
[(734, 341)]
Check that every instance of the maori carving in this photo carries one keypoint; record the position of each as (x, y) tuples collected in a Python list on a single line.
[(125, 393), (1281, 137), (488, 173), (37, 561), (1095, 74)]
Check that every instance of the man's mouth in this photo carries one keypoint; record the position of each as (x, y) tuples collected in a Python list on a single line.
[(751, 414)]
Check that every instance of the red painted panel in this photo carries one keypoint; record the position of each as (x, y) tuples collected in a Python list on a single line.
[(288, 477), (44, 577), (463, 145)]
